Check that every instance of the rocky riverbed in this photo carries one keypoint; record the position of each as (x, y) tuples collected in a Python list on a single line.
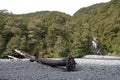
[(86, 69)]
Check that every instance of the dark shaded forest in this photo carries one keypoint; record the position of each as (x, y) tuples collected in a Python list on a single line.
[(58, 34)]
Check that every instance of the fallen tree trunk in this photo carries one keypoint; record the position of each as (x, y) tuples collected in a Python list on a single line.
[(69, 61), (51, 62)]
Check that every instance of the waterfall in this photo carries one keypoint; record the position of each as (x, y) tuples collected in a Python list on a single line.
[(96, 47)]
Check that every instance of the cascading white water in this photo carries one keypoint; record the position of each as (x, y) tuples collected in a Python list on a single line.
[(96, 47)]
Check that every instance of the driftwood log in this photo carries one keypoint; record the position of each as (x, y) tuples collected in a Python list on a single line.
[(12, 57), (69, 61)]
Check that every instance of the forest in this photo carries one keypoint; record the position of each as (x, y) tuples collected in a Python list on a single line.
[(59, 34)]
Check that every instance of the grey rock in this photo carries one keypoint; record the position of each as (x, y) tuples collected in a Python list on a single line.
[(87, 69)]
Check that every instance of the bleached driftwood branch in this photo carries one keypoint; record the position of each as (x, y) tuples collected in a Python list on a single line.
[(12, 57)]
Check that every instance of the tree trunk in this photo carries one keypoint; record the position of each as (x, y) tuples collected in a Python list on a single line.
[(69, 61)]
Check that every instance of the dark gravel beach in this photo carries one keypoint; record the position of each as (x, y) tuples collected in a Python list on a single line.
[(87, 69)]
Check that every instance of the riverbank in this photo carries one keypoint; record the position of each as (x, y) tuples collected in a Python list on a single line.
[(86, 69)]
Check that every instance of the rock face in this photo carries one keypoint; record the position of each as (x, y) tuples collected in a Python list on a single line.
[(87, 69)]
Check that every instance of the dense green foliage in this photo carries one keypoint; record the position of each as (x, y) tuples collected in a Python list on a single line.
[(101, 21), (60, 34)]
